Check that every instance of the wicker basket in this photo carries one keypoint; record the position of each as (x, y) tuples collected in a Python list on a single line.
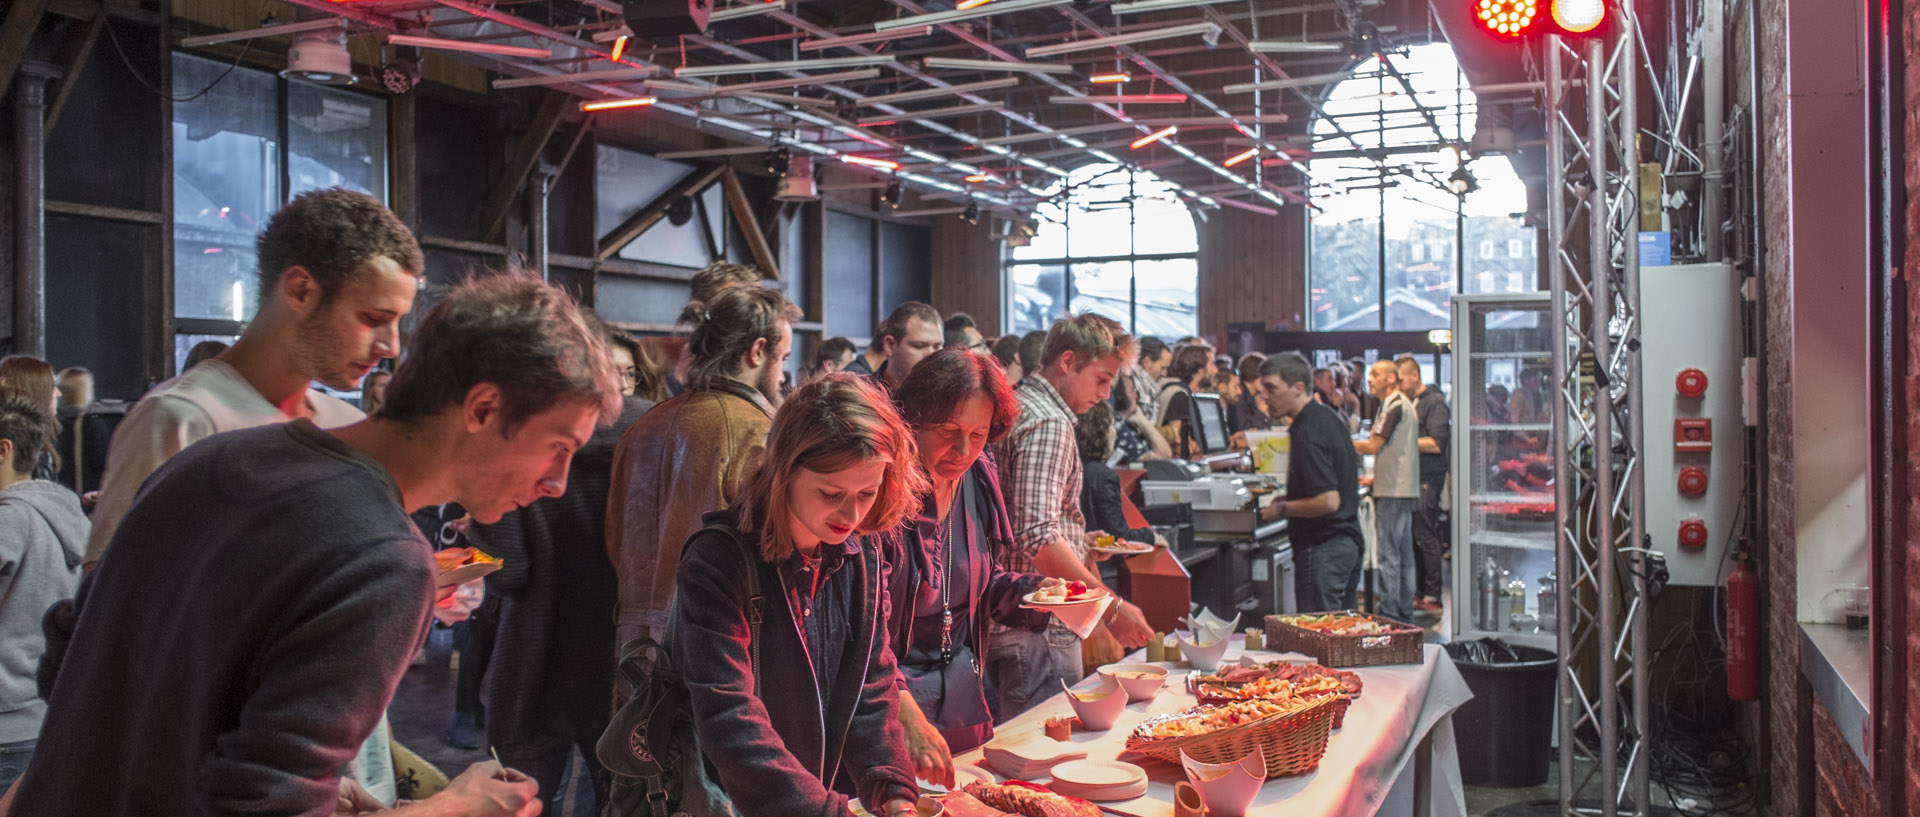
[(1400, 645), (1293, 742), (1340, 705)]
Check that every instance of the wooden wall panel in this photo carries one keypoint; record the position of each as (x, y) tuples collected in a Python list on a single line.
[(966, 272), (1252, 268)]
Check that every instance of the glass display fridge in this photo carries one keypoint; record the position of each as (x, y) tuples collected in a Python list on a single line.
[(1502, 469)]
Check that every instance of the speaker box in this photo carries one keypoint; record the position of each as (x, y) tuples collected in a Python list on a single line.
[(666, 18)]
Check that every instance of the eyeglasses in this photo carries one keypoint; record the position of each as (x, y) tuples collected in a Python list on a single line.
[(630, 374), (982, 346)]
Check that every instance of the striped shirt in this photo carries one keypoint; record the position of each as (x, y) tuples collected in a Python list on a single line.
[(1040, 473)]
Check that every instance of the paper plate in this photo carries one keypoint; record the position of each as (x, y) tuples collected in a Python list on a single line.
[(1098, 774), (962, 775), (1091, 597), (467, 573), (1122, 549)]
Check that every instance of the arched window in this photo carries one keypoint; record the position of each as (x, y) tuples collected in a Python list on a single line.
[(1391, 239), (1113, 240)]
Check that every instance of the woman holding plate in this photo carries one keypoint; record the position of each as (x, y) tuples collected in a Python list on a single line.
[(945, 586)]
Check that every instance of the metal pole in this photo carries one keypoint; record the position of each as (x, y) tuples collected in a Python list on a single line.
[(1713, 189), (1599, 262), (1562, 475), (538, 184), (30, 209), (1629, 67)]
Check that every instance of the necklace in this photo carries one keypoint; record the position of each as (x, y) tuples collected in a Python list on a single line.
[(946, 594)]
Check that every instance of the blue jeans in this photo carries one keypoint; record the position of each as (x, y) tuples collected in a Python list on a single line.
[(1026, 667), (1393, 517), (1325, 574), (14, 758)]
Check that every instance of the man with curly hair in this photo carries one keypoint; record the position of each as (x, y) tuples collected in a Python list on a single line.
[(337, 272)]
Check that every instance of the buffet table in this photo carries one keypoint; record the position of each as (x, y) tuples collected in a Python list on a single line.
[(1396, 749)]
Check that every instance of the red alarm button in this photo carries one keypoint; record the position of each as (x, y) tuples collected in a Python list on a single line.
[(1691, 383), (1693, 534), (1693, 480)]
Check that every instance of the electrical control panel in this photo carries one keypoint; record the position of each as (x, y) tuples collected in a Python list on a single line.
[(1691, 371)]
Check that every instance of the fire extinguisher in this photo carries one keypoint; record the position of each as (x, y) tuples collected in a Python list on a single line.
[(1743, 633)]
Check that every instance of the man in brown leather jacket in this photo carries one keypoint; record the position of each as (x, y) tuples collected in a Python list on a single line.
[(690, 455)]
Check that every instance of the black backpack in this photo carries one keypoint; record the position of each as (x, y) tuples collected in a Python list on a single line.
[(649, 749)]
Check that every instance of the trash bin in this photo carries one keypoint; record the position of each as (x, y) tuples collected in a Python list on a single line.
[(1505, 733)]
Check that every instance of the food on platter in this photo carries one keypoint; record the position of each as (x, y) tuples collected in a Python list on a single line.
[(1031, 800), (1067, 593), (462, 565), (962, 804), (1281, 670), (1339, 624), (1273, 689), (1201, 720), (1108, 544)]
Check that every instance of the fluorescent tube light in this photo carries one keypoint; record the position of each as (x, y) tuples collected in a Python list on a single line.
[(1119, 99), (933, 93), (939, 17), (1278, 84), (1205, 121), (1241, 157), (1155, 136), (998, 65), (606, 75), (883, 164), (471, 47), (746, 10), (1140, 6), (1111, 78), (780, 65), (619, 48), (264, 31), (611, 104), (1057, 134), (1122, 39), (1294, 47), (870, 37), (930, 113)]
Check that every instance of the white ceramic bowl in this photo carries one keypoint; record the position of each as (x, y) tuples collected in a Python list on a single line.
[(1203, 656), (1099, 708), (1140, 681)]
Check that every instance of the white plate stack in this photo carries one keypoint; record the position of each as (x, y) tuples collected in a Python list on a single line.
[(1099, 780), (1028, 759)]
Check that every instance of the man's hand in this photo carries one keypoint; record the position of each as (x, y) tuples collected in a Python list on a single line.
[(1129, 625), (487, 789), (355, 800), (932, 759)]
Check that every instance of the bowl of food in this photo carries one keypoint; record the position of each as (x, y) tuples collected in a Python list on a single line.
[(1099, 708), (1140, 681), (1203, 653)]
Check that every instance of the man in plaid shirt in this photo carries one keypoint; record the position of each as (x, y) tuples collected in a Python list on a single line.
[(1040, 472)]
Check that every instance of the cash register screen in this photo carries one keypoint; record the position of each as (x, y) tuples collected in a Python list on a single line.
[(1212, 426)]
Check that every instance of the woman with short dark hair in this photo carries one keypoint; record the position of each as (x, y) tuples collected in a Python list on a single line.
[(947, 587)]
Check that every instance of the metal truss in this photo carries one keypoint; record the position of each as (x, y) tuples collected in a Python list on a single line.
[(1594, 272)]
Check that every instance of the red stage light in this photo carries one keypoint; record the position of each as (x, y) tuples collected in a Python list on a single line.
[(1507, 18)]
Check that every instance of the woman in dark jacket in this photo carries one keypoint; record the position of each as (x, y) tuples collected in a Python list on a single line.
[(813, 699), (946, 588), (1099, 483)]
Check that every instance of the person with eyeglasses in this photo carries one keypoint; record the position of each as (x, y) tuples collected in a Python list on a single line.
[(962, 333)]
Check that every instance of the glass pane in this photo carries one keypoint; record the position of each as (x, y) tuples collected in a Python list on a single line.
[(1161, 223), (1039, 295), (1420, 232), (1511, 261), (1050, 240), (226, 184), (1343, 267), (335, 138), (1105, 287), (1168, 300), (1100, 228), (183, 345)]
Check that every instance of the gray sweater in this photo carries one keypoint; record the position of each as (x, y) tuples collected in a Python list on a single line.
[(43, 536)]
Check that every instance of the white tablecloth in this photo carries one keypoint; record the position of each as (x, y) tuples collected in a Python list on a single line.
[(1402, 710)]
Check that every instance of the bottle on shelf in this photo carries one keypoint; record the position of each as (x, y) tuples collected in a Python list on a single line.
[(1487, 608), (1549, 603), (1517, 603)]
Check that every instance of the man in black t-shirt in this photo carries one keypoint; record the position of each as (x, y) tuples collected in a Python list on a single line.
[(1323, 489), (1436, 436)]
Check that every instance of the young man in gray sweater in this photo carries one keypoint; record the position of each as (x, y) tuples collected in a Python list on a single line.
[(43, 535), (266, 589)]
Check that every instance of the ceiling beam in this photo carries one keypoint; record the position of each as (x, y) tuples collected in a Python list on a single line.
[(526, 155), (655, 210)]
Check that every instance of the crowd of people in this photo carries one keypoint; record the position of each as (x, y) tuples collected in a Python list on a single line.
[(825, 577)]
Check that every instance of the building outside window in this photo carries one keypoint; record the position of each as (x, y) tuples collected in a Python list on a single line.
[(1391, 243), (1111, 240), (244, 144)]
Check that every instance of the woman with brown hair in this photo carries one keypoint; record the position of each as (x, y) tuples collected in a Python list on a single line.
[(795, 686), (946, 587), (33, 378)]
